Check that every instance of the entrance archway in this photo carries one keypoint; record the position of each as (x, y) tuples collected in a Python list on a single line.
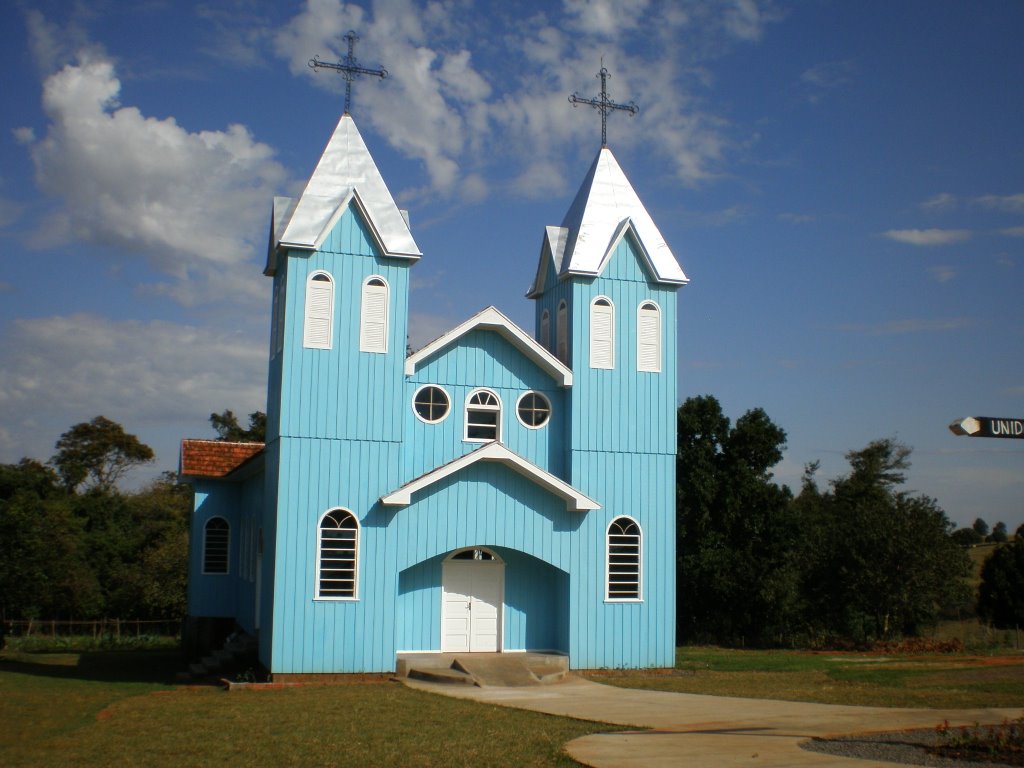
[(472, 596)]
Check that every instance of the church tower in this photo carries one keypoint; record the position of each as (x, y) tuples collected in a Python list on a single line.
[(606, 292)]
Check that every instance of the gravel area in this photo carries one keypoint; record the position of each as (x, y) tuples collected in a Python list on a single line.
[(905, 747)]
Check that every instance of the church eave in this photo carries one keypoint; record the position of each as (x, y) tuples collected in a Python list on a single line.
[(575, 501)]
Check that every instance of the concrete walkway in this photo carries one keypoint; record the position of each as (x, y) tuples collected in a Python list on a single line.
[(718, 731)]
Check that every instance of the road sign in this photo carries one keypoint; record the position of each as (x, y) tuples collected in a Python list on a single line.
[(986, 426)]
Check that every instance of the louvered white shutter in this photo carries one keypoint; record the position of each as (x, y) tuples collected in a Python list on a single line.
[(602, 334), (319, 312), (648, 347), (373, 322)]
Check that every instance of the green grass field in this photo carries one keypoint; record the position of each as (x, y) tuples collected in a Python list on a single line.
[(119, 709), (933, 681)]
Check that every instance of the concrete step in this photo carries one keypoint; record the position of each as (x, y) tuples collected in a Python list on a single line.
[(484, 669), (443, 676)]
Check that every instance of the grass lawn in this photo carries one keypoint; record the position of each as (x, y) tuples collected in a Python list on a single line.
[(118, 709), (936, 681)]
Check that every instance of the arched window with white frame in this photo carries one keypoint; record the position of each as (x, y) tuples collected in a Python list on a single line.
[(624, 560), (648, 337), (483, 416), (216, 545), (318, 327), (562, 333), (545, 330), (602, 333), (337, 556), (373, 316)]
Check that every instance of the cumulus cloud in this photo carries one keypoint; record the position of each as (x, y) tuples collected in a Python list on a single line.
[(61, 370), (193, 203), (464, 123), (928, 236)]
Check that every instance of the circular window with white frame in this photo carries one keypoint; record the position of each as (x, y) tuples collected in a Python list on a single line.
[(533, 410), (431, 404)]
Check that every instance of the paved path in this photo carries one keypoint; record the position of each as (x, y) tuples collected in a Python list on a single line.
[(716, 731)]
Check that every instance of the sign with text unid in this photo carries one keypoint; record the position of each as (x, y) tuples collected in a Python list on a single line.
[(986, 426)]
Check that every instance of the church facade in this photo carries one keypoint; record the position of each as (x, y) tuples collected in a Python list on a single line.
[(496, 490)]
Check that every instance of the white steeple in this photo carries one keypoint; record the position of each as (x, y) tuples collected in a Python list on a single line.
[(605, 208), (345, 172)]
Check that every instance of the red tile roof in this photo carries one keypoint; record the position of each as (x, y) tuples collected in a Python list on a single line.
[(215, 458)]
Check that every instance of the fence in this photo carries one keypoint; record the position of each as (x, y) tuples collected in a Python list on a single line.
[(97, 628)]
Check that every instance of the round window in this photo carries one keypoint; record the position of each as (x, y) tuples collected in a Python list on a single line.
[(534, 410), (431, 404)]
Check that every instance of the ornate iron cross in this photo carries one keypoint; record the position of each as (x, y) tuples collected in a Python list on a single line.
[(348, 67), (604, 105)]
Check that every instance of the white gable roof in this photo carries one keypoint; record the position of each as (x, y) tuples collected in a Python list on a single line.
[(492, 319), (605, 207), (345, 172), (575, 501)]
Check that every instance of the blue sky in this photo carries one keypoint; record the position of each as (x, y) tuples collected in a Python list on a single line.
[(842, 182)]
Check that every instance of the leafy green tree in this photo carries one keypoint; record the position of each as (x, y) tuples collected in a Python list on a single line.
[(881, 562), (1001, 594), (967, 537), (998, 534), (981, 527), (98, 453), (226, 425), (736, 574)]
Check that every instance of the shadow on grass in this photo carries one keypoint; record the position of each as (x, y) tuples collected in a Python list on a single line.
[(149, 666)]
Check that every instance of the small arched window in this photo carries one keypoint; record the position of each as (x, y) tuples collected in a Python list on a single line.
[(545, 330), (624, 552), (483, 416), (602, 333), (337, 563), (319, 322), (373, 318), (562, 331), (648, 337), (216, 541)]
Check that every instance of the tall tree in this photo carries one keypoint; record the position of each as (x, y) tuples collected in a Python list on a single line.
[(226, 425), (736, 574), (98, 453), (981, 527), (1001, 594), (882, 562), (999, 533)]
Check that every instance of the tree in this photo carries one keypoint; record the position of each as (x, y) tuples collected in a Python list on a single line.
[(981, 527), (1001, 595), (98, 452), (882, 563), (998, 534), (226, 425), (967, 537), (736, 574)]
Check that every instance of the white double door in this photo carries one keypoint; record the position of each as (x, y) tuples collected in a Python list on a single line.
[(472, 594)]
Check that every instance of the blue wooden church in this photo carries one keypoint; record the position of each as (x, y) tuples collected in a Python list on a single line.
[(496, 490)]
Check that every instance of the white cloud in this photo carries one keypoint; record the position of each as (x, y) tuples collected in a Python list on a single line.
[(1007, 203), (10, 211), (193, 203), (895, 327), (24, 135), (154, 375), (928, 236), (941, 201), (826, 76), (605, 18), (942, 273), (1012, 231)]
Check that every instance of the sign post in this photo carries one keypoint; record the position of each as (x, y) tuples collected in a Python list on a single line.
[(987, 426)]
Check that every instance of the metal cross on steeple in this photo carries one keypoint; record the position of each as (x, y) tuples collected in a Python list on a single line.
[(349, 68), (604, 105)]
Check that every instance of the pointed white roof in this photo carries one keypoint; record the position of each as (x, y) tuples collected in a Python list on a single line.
[(575, 501), (492, 319), (605, 208), (345, 173)]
